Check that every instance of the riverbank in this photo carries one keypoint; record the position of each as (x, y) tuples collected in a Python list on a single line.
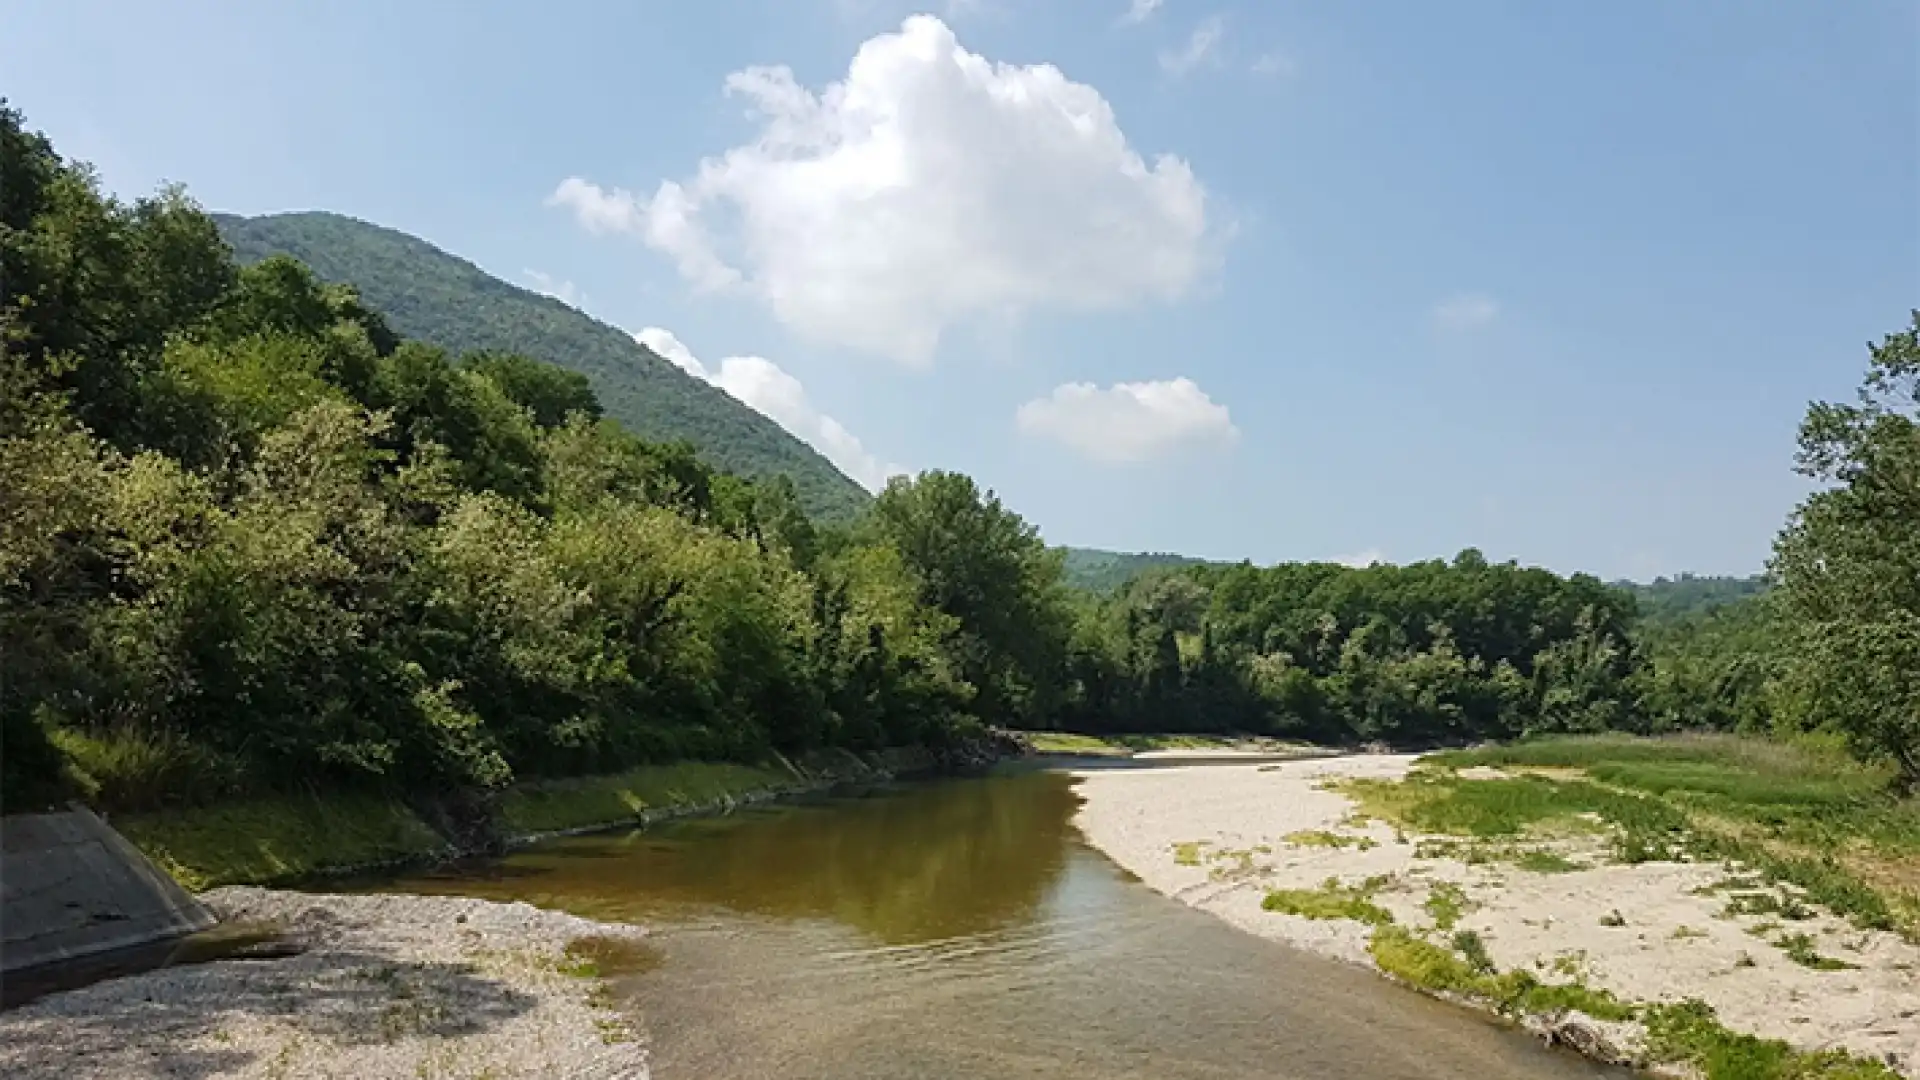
[(1508, 892), (384, 988), (287, 839)]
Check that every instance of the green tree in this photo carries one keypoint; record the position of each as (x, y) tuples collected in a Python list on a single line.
[(1848, 561), (987, 568)]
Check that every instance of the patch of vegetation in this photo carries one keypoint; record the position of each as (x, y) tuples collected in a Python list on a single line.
[(1796, 813), (1689, 1032), (1473, 950), (1438, 969), (1066, 742), (1685, 933), (1801, 950), (1187, 852), (1613, 919), (1326, 839), (1447, 902), (1766, 903), (1332, 900), (588, 801), (269, 841), (1544, 861)]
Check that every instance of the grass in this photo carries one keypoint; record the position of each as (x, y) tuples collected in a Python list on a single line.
[(270, 840), (1688, 1032), (1795, 813), (585, 802), (134, 769), (1465, 970), (1326, 839), (1064, 742), (1067, 742), (1187, 852), (1446, 903), (1332, 900), (279, 839), (1542, 861), (1800, 949)]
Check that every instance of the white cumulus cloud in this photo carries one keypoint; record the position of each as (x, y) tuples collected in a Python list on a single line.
[(1140, 10), (1202, 46), (1129, 421), (763, 386), (547, 285), (1465, 311), (929, 187)]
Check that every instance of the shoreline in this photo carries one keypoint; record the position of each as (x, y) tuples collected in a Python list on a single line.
[(286, 841), (1220, 837), (382, 988)]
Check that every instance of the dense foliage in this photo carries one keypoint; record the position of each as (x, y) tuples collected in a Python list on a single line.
[(1849, 562), (255, 537), (1676, 598), (437, 298), (1433, 651)]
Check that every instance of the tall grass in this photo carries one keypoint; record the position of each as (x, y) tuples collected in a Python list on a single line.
[(136, 768)]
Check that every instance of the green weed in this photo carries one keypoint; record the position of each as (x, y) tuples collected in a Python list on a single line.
[(1326, 839), (1446, 903), (1332, 900), (1800, 949), (1689, 1032)]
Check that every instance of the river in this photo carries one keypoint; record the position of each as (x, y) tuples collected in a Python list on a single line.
[(961, 929)]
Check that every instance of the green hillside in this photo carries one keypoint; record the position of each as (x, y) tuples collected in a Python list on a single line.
[(1104, 571), (430, 295), (1669, 599)]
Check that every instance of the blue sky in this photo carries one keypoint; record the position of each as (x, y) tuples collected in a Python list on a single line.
[(1259, 280)]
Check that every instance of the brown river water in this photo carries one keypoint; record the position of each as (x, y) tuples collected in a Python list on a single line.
[(961, 929)]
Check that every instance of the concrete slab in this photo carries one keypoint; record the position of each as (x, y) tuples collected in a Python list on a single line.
[(73, 889)]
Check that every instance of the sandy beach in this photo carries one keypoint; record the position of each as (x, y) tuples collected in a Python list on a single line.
[(388, 988), (1214, 836)]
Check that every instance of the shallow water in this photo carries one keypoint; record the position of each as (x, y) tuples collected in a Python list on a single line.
[(961, 929)]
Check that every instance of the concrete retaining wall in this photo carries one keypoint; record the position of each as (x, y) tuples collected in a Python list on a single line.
[(71, 889)]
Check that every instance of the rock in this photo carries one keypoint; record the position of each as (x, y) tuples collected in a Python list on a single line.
[(1610, 1042)]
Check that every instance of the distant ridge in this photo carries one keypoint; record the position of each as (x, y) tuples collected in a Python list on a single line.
[(433, 296)]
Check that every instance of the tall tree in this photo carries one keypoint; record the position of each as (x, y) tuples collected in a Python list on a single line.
[(986, 567), (1848, 561)]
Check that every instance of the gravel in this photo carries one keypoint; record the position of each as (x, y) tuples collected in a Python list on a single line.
[(409, 987)]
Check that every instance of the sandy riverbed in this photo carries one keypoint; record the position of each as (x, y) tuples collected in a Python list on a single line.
[(1674, 944), (395, 987)]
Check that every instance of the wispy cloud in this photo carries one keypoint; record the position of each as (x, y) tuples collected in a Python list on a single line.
[(1202, 46), (762, 385), (1465, 311), (1274, 65), (1140, 11)]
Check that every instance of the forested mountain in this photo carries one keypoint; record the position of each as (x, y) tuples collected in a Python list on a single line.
[(431, 296), (1104, 571)]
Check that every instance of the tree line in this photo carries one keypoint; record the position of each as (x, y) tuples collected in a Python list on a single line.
[(254, 538)]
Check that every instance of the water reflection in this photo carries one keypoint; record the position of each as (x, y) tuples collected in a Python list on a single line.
[(907, 865), (959, 930)]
